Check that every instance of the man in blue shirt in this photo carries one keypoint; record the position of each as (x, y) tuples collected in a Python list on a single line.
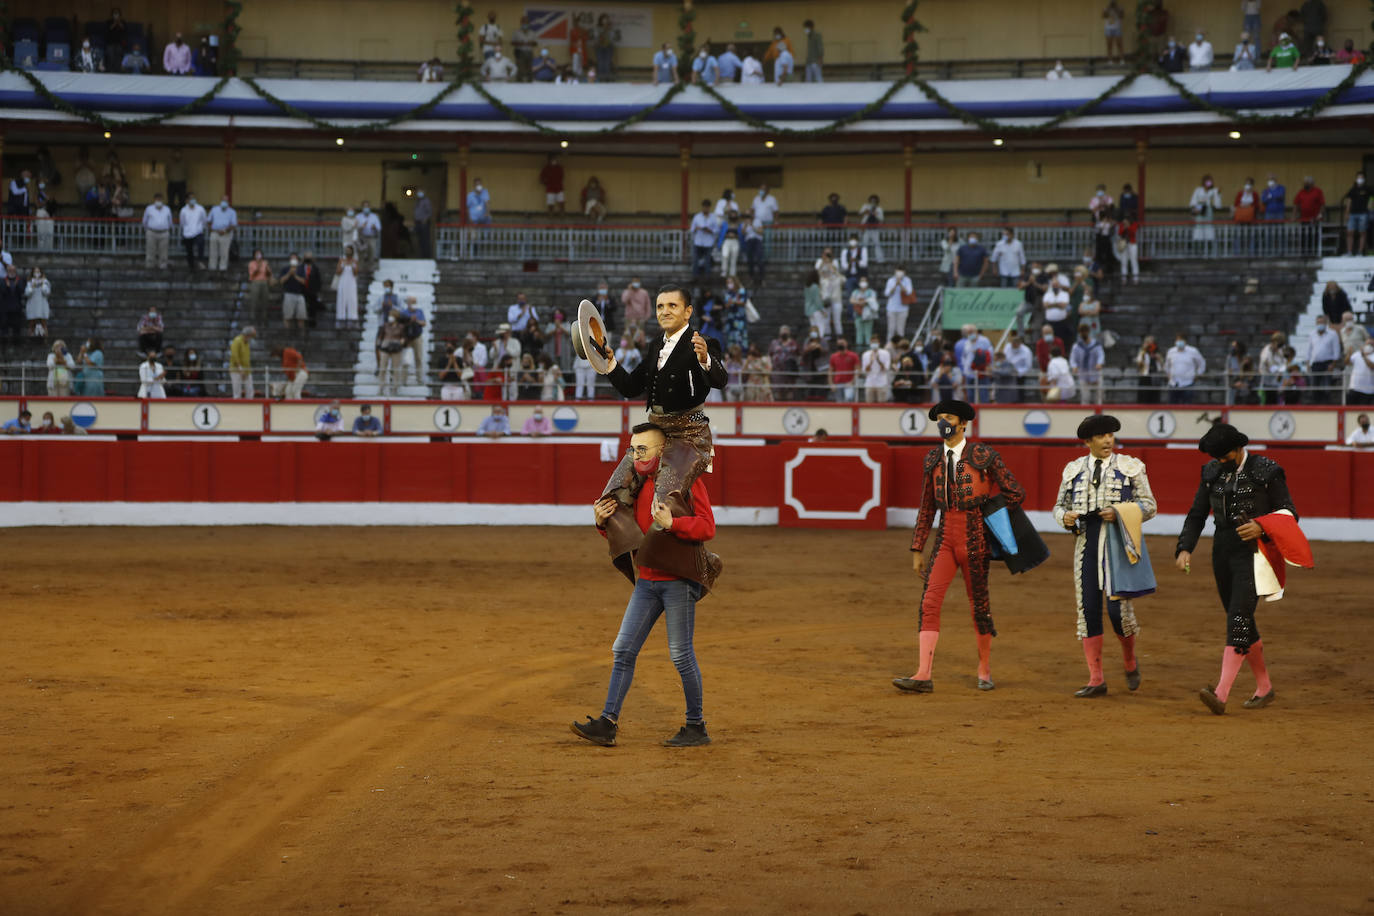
[(365, 424), (224, 219), (19, 425), (1274, 197), (545, 70), (665, 66), (729, 64), (705, 69), (479, 204), (703, 240), (972, 262), (496, 425)]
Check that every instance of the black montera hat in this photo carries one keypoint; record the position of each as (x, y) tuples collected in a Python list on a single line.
[(961, 409), (1097, 424), (1221, 439)]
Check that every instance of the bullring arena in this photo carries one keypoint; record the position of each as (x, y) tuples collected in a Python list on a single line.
[(302, 589)]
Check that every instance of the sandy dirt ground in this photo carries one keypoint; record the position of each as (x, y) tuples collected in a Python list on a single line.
[(377, 721)]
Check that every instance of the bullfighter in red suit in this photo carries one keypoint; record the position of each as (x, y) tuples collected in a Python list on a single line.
[(960, 476)]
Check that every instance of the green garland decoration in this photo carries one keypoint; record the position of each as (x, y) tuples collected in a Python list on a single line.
[(686, 43), (467, 61), (1144, 64), (229, 55)]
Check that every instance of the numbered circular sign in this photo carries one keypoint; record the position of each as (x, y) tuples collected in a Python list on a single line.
[(205, 416), (447, 419), (1036, 422), (1282, 425), (795, 421), (913, 421), (1161, 424)]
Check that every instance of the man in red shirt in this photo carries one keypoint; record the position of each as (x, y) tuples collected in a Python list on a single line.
[(1044, 347), (293, 366), (671, 570), (1310, 201), (843, 363), (551, 177)]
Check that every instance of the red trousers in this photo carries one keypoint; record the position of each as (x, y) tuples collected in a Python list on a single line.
[(952, 556)]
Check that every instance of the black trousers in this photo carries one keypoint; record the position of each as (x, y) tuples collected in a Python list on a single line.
[(195, 250), (1233, 566)]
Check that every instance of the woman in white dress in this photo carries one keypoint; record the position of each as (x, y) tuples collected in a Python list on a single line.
[(150, 378), (346, 303), (36, 296)]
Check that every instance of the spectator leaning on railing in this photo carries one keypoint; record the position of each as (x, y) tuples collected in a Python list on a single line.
[(1183, 364), (241, 363), (136, 62)]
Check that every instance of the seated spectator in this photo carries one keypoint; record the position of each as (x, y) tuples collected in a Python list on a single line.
[(150, 330), (90, 370), (545, 69), (1362, 436), (192, 375), (69, 427), (88, 59), (49, 426), (150, 377), (431, 71), (176, 57), (172, 379), (1291, 388), (1059, 382), (1057, 72), (1321, 54), (365, 424), (496, 69), (330, 422), (496, 425), (61, 371), (537, 424), (1349, 54), (19, 425), (594, 199), (135, 61)]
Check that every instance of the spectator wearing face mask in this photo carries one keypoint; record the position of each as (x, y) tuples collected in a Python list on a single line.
[(1059, 382), (1362, 436), (665, 66), (224, 219), (900, 296), (973, 356), (1349, 54), (1285, 55), (545, 68), (37, 292), (779, 46), (88, 60), (1045, 346), (479, 204), (871, 218), (751, 71), (1355, 215), (1058, 72), (1010, 257), (176, 57), (1322, 55), (1323, 354), (863, 304), (369, 233), (843, 366), (971, 262), (1273, 200), (151, 375), (1200, 53), (1149, 371), (157, 227), (293, 284), (150, 329), (1183, 364), (1174, 58), (241, 363), (876, 365), (537, 424), (1204, 203), (706, 68), (498, 68), (192, 375), (635, 300), (192, 219), (1246, 54), (135, 62)]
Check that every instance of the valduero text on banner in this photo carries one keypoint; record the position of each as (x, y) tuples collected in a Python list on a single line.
[(986, 308)]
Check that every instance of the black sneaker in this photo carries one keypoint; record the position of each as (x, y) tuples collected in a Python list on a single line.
[(689, 736), (1133, 678), (598, 731)]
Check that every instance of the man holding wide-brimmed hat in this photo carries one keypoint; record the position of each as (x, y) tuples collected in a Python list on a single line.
[(959, 478), (679, 369), (1104, 498), (1237, 488)]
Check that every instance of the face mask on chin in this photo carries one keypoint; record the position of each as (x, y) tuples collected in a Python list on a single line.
[(646, 467)]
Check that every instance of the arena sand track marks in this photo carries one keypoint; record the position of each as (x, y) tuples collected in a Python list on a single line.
[(247, 690)]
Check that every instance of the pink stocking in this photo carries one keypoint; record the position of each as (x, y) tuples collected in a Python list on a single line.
[(1092, 651), (1231, 660), (1128, 651), (985, 656), (928, 640), (1256, 657)]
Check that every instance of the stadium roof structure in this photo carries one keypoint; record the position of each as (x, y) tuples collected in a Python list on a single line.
[(588, 110)]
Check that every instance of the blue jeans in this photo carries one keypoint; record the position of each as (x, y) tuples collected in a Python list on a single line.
[(677, 599)]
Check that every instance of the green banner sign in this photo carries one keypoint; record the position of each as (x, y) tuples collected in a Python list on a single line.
[(989, 309)]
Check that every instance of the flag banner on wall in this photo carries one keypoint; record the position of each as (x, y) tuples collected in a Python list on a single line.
[(553, 24), (986, 308)]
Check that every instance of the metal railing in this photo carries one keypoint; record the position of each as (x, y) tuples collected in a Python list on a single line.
[(640, 244), (1117, 387)]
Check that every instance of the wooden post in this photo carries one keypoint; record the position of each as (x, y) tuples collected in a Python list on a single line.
[(685, 158), (1142, 145), (229, 164), (907, 150)]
